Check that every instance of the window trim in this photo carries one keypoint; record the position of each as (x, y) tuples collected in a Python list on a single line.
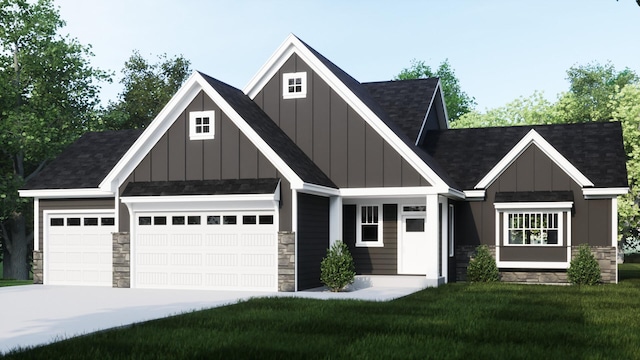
[(193, 135), (359, 242), (559, 228), (561, 208), (303, 85)]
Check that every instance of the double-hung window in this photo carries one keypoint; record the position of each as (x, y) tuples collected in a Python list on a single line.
[(369, 226)]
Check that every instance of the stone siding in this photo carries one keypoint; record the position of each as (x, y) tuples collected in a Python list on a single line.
[(121, 260), (38, 269), (606, 256), (286, 261)]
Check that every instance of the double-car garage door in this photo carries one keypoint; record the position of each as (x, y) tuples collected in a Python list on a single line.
[(206, 250), (170, 250)]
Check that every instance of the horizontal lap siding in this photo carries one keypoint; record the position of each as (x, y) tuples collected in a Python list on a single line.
[(313, 238), (373, 260), (333, 135)]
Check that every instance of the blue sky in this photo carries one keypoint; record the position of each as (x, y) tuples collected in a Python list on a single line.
[(500, 50)]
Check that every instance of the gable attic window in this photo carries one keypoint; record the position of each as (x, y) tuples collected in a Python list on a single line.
[(201, 125), (294, 85)]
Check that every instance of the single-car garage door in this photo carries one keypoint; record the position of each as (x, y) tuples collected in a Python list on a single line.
[(78, 249), (206, 250)]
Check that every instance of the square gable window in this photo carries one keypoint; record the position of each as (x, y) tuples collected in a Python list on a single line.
[(294, 85), (201, 125)]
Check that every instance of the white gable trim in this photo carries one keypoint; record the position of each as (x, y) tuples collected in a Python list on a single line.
[(533, 137), (434, 107), (604, 193), (66, 193), (161, 124), (293, 45)]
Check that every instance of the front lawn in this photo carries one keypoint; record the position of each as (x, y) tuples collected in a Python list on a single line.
[(457, 321)]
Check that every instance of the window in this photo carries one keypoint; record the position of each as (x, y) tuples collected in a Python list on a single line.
[(451, 230), (266, 219), (193, 220), (144, 220), (177, 220), (57, 221), (201, 125), (229, 220), (294, 85), (249, 220), (73, 222), (107, 221), (91, 221), (414, 225), (532, 228), (369, 228), (213, 220), (159, 220)]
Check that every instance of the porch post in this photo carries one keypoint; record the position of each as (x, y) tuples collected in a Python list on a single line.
[(432, 238), (335, 219)]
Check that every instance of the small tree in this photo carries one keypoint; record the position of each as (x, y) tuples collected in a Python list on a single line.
[(337, 269), (584, 268), (482, 266)]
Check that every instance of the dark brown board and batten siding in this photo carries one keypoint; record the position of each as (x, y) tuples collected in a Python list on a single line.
[(230, 155), (313, 238), (72, 205), (373, 260), (534, 171), (333, 135)]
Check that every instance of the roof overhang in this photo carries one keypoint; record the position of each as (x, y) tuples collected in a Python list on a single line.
[(604, 193), (66, 193)]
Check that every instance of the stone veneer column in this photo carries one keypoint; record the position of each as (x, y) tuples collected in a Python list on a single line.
[(286, 261), (37, 267), (121, 260), (607, 259)]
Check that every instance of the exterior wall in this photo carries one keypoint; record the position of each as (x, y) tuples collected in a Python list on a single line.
[(71, 205), (333, 135), (121, 260), (230, 155), (313, 238), (286, 261), (373, 260)]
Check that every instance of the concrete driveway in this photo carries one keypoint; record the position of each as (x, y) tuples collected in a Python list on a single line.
[(40, 314)]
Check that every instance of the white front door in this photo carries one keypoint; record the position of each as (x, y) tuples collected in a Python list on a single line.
[(413, 245)]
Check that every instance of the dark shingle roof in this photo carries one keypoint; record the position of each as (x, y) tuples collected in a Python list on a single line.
[(534, 196), (86, 162), (202, 187), (292, 155), (595, 149), (405, 101)]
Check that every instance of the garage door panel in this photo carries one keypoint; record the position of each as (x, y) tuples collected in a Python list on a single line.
[(208, 251)]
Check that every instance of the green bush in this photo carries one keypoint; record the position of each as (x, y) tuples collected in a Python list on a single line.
[(482, 266), (584, 268), (337, 269)]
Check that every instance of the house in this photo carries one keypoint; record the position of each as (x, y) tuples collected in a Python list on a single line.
[(231, 189)]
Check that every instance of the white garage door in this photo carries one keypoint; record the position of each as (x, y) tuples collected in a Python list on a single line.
[(79, 249), (206, 250)]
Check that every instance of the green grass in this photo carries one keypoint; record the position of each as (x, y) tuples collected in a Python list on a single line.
[(455, 321), (4, 282)]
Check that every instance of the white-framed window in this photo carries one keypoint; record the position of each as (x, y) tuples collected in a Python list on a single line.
[(201, 125), (451, 231), (369, 226), (533, 224), (294, 85)]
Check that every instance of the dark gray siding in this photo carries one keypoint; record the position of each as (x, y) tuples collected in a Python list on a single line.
[(333, 135), (373, 260), (71, 205), (535, 171), (230, 155), (313, 238)]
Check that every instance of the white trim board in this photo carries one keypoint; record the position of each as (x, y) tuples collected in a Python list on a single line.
[(533, 138)]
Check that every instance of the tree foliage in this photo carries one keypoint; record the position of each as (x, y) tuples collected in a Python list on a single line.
[(147, 88), (457, 101), (48, 97)]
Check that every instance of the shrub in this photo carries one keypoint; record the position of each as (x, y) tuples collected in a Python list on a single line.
[(584, 268), (482, 266), (337, 269)]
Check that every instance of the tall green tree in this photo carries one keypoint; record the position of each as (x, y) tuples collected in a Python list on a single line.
[(147, 88), (457, 101), (48, 97)]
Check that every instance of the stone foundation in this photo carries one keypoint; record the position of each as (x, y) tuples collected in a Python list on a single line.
[(606, 256), (286, 261), (38, 269), (121, 260)]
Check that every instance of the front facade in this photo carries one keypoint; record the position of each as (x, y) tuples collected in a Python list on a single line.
[(231, 189)]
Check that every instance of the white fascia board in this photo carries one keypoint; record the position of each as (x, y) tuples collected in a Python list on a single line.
[(477, 195), (152, 134), (600, 193), (317, 190), (201, 203), (293, 45), (65, 193), (389, 191), (293, 178), (561, 205), (533, 137), (532, 265), (197, 198)]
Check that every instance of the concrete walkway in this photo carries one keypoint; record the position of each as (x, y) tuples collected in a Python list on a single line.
[(38, 314)]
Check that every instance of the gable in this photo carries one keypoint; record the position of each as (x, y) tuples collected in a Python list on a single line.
[(229, 155), (331, 133)]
